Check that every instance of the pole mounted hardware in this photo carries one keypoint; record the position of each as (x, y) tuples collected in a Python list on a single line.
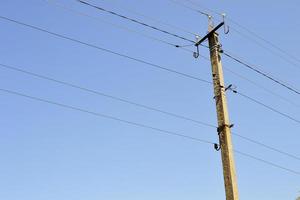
[(209, 34), (226, 27)]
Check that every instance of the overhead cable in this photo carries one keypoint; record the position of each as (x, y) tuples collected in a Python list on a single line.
[(266, 106), (165, 132), (136, 21), (107, 50), (158, 21), (120, 99), (255, 69), (162, 131), (267, 162), (182, 47)]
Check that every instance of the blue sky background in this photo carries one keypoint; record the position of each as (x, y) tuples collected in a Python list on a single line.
[(47, 152)]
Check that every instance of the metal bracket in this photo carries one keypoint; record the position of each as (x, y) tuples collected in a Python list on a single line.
[(217, 147), (209, 34), (226, 27), (196, 54), (221, 128)]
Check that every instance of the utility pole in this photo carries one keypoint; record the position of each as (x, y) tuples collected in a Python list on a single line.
[(222, 114)]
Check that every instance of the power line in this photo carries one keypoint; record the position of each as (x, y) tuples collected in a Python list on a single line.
[(108, 51), (190, 8), (198, 5), (271, 44), (267, 106), (97, 92), (265, 40), (136, 21), (263, 88), (119, 26), (74, 40), (250, 139), (268, 49), (267, 162), (262, 73), (165, 132), (259, 86), (267, 146), (160, 21)]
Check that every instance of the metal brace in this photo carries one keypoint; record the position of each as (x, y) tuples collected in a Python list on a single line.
[(226, 27), (217, 146)]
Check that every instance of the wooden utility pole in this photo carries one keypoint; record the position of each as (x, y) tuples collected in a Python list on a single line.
[(223, 119), (222, 114)]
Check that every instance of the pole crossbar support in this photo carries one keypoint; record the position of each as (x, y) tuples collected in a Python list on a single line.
[(209, 34)]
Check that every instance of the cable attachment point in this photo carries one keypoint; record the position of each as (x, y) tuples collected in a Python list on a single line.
[(221, 128), (232, 88), (226, 27), (217, 147), (196, 54), (220, 50)]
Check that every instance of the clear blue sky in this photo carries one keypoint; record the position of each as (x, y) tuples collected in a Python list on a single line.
[(47, 152)]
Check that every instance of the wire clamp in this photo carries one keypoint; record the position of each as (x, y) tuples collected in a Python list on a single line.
[(217, 146), (221, 128), (196, 54), (226, 27), (232, 88)]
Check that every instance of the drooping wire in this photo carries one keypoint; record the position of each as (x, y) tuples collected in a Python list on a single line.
[(265, 105), (263, 88), (259, 86), (190, 8), (268, 49), (166, 132), (182, 47), (265, 40), (255, 69), (135, 21), (267, 146), (100, 93), (40, 29), (120, 99), (201, 6), (159, 21), (162, 131), (266, 162), (251, 32), (107, 50)]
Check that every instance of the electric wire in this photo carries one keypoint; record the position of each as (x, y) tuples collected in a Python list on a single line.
[(205, 8), (267, 106), (190, 8), (263, 88), (267, 162), (135, 21), (99, 93), (107, 50), (160, 21), (268, 49), (165, 132), (266, 41), (267, 146), (162, 131), (255, 69), (74, 40), (259, 86), (62, 6), (251, 32), (268, 91)]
